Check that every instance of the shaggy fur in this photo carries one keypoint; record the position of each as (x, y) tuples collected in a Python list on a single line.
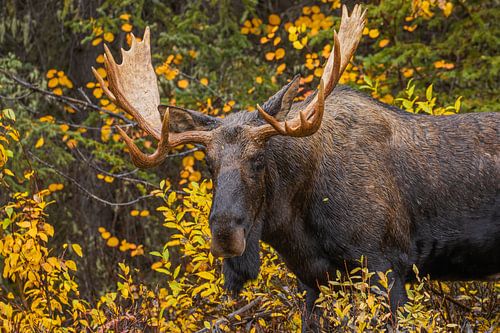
[(398, 188)]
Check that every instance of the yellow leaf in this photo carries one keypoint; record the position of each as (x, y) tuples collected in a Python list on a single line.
[(53, 82), (113, 242), (448, 9), (274, 19), (39, 142), (383, 43), (47, 267), (298, 45), (258, 79), (269, 56), (318, 72), (206, 275), (156, 265), (52, 187), (127, 27), (43, 237), (58, 91), (134, 212), (199, 155), (24, 225), (204, 81), (108, 179), (280, 53), (78, 249), (144, 213), (51, 73), (281, 68), (105, 235), (71, 143), (109, 37), (105, 133), (71, 265), (183, 84), (96, 41), (102, 72), (54, 262), (373, 33), (125, 17)]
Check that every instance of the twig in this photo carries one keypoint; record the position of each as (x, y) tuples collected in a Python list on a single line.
[(16, 98), (233, 314), (123, 176), (448, 298), (68, 100), (83, 189)]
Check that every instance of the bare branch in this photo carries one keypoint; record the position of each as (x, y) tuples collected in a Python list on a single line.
[(65, 99), (87, 192), (233, 314)]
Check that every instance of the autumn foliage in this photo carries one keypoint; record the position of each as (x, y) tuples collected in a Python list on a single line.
[(89, 243)]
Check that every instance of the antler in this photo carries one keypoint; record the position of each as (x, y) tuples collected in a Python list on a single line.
[(133, 87), (309, 120)]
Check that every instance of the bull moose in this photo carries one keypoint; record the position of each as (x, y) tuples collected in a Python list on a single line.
[(332, 178)]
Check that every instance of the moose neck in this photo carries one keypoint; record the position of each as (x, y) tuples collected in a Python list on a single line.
[(291, 165)]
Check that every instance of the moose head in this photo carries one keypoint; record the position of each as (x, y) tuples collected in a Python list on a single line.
[(235, 145)]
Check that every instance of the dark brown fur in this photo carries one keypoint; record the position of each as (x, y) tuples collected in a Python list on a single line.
[(398, 188)]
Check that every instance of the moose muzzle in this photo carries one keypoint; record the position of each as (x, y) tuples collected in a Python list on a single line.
[(227, 243)]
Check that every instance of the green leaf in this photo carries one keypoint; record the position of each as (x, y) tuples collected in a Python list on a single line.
[(156, 254), (9, 211), (428, 93), (458, 104), (9, 114)]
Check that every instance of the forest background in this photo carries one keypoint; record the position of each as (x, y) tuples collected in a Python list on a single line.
[(89, 242)]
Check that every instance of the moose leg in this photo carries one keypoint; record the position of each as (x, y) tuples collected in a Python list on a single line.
[(311, 315), (396, 281), (397, 295)]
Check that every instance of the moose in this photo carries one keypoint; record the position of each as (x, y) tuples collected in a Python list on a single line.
[(332, 178)]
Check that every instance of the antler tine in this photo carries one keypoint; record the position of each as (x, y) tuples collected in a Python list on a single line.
[(308, 121), (271, 120), (307, 124), (142, 160), (351, 29)]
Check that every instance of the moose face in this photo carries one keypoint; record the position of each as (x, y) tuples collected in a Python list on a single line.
[(237, 163), (235, 157)]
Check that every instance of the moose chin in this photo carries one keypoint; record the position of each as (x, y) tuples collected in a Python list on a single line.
[(333, 178)]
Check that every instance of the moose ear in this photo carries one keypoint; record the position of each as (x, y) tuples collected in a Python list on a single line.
[(280, 103), (182, 120)]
